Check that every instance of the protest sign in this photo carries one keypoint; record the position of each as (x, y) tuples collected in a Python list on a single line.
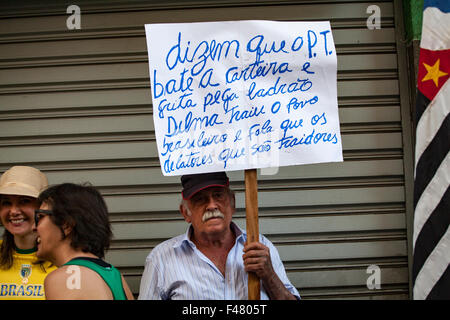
[(243, 94)]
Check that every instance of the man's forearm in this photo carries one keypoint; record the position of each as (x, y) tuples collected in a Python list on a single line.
[(276, 289)]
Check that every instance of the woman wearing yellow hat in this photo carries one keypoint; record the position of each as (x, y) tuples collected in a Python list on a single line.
[(21, 274)]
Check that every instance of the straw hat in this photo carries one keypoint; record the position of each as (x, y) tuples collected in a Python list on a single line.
[(23, 181)]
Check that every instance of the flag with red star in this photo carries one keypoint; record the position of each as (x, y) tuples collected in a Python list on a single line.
[(431, 238)]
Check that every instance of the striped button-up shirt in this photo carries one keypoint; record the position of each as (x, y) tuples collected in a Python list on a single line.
[(176, 269)]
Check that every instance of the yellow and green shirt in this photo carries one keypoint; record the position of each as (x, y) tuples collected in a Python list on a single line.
[(25, 279)]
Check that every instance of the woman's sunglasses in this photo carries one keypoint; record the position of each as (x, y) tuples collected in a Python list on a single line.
[(39, 214)]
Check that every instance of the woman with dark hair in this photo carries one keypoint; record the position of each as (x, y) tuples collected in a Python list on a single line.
[(74, 232), (21, 274)]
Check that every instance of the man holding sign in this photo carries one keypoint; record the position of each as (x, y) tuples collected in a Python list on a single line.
[(211, 260), (235, 95)]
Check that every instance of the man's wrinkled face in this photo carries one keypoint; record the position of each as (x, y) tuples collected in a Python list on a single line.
[(210, 210)]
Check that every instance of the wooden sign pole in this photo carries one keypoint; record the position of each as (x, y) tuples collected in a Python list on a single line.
[(251, 204)]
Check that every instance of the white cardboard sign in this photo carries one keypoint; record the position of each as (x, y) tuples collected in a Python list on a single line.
[(243, 94)]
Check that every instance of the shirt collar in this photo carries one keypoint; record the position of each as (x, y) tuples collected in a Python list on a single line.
[(25, 251), (185, 239)]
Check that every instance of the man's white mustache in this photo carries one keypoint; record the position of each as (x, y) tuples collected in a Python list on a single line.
[(212, 214)]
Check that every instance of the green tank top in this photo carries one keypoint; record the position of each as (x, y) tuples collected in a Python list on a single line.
[(109, 274)]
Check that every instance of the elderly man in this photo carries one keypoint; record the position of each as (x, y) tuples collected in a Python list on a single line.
[(211, 260)]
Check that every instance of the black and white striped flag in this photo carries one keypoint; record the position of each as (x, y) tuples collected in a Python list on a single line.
[(431, 264)]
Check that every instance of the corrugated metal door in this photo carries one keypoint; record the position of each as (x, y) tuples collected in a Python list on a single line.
[(77, 104)]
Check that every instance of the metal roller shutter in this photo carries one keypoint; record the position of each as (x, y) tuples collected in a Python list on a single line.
[(77, 104)]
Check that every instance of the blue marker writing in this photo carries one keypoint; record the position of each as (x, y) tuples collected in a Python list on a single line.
[(175, 127), (255, 70), (230, 154), (200, 54), (255, 44), (311, 42), (277, 88)]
